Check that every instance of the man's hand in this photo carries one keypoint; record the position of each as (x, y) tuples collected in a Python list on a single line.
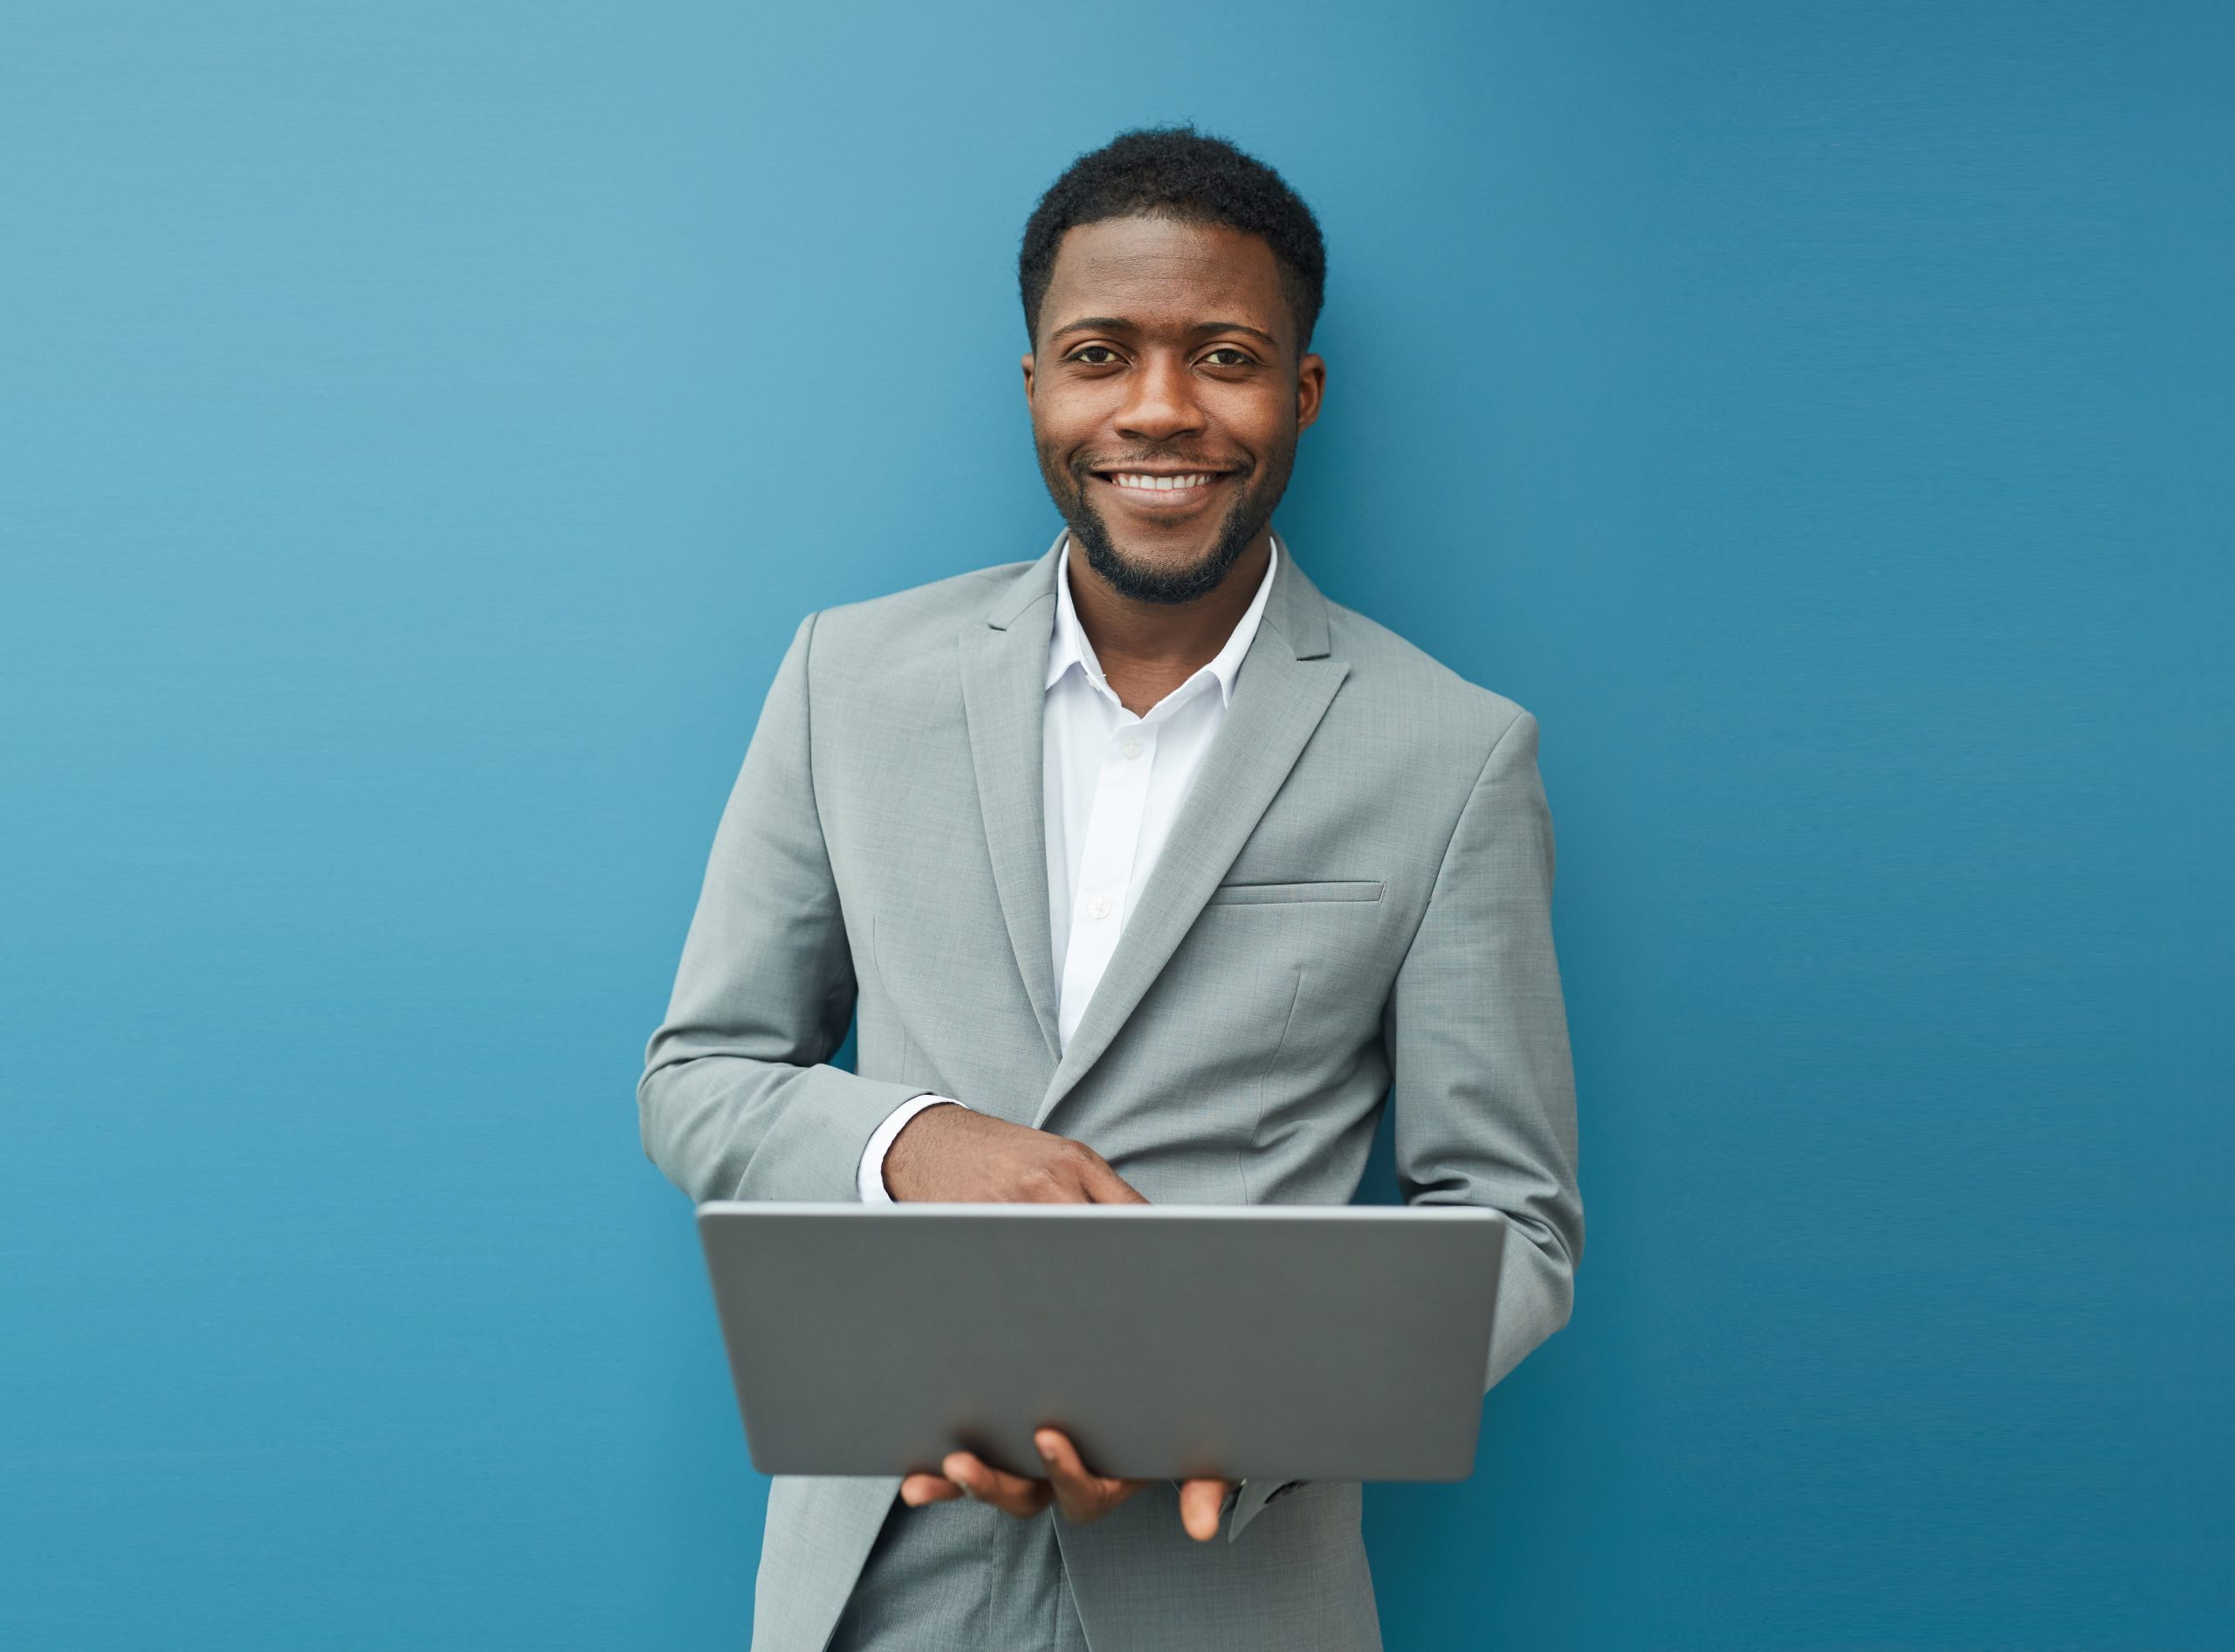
[(956, 1153), (1083, 1497)]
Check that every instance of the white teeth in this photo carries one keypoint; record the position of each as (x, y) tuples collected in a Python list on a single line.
[(1157, 484)]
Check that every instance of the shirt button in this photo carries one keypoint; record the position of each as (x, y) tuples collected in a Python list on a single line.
[(1097, 907), (1131, 746)]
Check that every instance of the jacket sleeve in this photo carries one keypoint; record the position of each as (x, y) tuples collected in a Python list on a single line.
[(736, 1101), (1484, 1086)]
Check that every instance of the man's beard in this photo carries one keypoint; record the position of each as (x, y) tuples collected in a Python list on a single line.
[(1245, 519)]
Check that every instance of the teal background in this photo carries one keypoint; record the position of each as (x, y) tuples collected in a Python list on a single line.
[(422, 426)]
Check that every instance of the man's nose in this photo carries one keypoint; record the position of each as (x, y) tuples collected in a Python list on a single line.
[(1162, 404)]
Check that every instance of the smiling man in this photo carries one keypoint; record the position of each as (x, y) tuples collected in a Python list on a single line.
[(1149, 874)]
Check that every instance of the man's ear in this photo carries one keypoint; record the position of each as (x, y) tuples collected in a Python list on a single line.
[(1310, 386), (1027, 377)]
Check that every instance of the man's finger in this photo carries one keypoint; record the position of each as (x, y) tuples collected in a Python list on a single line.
[(1105, 1186), (1200, 1502), (918, 1489), (1010, 1493), (1082, 1497)]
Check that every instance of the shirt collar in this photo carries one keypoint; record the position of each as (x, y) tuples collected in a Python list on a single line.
[(1069, 646)]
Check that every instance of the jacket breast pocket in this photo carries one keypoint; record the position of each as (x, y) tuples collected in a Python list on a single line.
[(1286, 894)]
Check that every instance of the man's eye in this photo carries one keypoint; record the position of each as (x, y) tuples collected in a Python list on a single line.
[(1095, 355), (1225, 355)]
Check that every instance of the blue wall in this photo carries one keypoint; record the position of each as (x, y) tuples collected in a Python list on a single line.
[(422, 425)]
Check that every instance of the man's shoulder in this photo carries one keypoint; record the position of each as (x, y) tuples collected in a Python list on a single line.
[(1406, 691), (892, 627), (961, 596)]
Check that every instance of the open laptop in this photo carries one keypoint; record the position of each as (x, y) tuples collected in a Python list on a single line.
[(1170, 1341)]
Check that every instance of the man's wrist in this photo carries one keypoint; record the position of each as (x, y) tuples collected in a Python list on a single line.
[(869, 1177)]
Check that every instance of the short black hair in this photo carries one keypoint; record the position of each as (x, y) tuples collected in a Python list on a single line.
[(1177, 172)]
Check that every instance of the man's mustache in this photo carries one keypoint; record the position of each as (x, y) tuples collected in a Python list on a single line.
[(1154, 458)]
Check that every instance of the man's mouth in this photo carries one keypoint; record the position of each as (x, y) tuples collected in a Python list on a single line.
[(1163, 490), (1154, 482)]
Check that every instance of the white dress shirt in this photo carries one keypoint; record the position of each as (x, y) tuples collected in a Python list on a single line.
[(1111, 785)]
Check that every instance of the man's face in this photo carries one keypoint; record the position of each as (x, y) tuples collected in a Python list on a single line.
[(1167, 393)]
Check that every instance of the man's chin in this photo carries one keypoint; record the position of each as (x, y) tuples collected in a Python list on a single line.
[(1160, 564), (1162, 576)]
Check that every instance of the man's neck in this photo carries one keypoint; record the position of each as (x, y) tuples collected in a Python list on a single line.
[(1146, 649)]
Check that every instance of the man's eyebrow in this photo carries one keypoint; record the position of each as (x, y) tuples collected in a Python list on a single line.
[(1095, 324), (1238, 326)]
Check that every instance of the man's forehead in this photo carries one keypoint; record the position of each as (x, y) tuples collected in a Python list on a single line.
[(1161, 272)]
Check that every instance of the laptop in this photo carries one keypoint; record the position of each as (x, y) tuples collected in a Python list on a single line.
[(1169, 1341)]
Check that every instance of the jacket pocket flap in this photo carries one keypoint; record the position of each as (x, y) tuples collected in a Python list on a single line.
[(1269, 894)]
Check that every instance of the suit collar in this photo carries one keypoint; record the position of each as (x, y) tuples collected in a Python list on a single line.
[(1035, 583), (1297, 611), (1003, 660)]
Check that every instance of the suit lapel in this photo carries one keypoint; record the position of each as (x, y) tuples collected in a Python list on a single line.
[(1004, 688), (1284, 689)]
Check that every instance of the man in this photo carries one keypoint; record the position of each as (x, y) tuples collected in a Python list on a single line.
[(1147, 871)]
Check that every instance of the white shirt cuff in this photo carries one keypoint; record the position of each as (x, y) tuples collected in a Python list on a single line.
[(869, 1178)]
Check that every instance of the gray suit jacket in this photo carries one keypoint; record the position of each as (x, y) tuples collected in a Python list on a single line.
[(1356, 895)]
